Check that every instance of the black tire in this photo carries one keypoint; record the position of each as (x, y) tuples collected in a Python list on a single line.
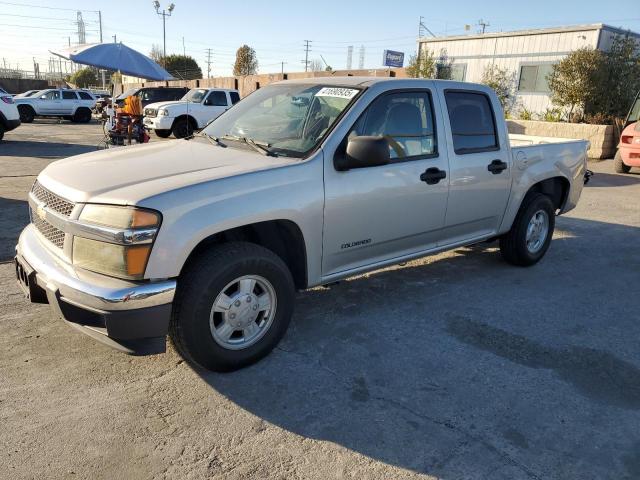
[(182, 128), (163, 133), (199, 286), (82, 115), (513, 244), (618, 165), (1, 132), (27, 114)]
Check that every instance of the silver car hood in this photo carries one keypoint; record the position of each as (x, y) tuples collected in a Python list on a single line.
[(128, 175)]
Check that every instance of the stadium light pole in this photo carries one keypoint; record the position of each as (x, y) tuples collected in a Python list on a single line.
[(164, 14)]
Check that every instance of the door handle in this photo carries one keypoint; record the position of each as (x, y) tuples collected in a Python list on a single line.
[(497, 166), (433, 175)]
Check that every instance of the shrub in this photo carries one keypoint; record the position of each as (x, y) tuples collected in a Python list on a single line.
[(502, 83), (525, 114)]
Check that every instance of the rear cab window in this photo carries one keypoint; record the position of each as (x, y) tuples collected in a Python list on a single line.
[(473, 125), (235, 97)]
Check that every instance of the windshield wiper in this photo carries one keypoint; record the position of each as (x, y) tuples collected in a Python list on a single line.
[(258, 146), (213, 140)]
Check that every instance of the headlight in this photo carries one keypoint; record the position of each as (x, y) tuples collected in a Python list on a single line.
[(115, 240), (163, 111)]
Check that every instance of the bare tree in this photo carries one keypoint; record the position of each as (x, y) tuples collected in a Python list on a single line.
[(316, 65), (156, 53)]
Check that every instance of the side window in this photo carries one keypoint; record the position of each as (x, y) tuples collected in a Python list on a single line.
[(235, 97), (216, 99), (85, 96), (472, 122), (67, 95), (53, 95), (405, 119)]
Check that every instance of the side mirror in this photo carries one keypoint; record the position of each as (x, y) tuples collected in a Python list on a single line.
[(43, 97), (363, 152)]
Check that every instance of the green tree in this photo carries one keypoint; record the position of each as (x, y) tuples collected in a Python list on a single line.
[(183, 67), (422, 66), (576, 79), (84, 77), (502, 83), (246, 61), (619, 79), (443, 66)]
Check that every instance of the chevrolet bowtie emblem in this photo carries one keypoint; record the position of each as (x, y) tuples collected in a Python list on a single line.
[(40, 211)]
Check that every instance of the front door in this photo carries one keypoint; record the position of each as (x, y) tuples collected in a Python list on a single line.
[(50, 103), (216, 103), (376, 214), (480, 167)]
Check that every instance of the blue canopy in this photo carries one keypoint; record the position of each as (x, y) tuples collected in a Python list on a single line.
[(117, 57)]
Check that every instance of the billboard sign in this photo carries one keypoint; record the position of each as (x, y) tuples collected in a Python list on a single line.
[(392, 58)]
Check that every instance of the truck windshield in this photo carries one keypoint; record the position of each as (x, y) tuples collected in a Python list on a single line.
[(290, 120), (196, 95)]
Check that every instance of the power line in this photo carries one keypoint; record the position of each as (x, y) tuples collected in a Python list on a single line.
[(41, 27), (42, 6)]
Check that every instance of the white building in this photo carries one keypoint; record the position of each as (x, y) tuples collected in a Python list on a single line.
[(527, 54)]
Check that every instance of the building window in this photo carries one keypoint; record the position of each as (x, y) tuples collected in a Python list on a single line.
[(534, 78), (458, 71)]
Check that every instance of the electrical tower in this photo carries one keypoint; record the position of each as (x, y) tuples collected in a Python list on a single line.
[(307, 44), (361, 59), (422, 28), (349, 57), (482, 25), (208, 62), (82, 39)]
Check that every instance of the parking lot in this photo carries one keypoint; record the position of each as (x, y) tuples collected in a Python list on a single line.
[(457, 366)]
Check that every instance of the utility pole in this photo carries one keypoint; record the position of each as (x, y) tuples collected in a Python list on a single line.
[(208, 62), (164, 16), (483, 25), (282, 71), (306, 55), (115, 40), (100, 22)]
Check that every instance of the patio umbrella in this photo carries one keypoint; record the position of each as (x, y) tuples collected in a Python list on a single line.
[(117, 57)]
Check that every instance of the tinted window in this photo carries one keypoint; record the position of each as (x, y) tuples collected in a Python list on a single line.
[(69, 95), (85, 96), (472, 124), (405, 119), (216, 99), (235, 97)]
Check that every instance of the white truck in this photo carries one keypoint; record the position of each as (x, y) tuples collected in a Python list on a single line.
[(74, 105), (301, 184), (9, 116), (189, 114)]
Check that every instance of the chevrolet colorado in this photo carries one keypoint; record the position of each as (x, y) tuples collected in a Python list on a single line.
[(301, 184)]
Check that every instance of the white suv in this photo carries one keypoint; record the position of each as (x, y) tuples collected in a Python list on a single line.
[(9, 116), (74, 105)]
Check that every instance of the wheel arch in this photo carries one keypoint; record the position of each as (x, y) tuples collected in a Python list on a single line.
[(283, 237), (189, 118), (556, 188)]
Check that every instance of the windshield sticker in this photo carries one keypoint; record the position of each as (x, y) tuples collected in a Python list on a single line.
[(337, 92)]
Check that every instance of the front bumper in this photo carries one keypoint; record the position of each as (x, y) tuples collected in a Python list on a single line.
[(130, 316), (161, 122)]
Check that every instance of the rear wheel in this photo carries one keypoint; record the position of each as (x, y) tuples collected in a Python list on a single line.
[(233, 305), (1, 132), (530, 235), (182, 128), (27, 114), (618, 165), (163, 133), (82, 115)]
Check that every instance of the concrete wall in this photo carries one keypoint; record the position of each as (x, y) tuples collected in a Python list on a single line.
[(19, 85), (602, 137), (250, 83)]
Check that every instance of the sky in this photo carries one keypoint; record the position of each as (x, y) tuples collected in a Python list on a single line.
[(277, 29)]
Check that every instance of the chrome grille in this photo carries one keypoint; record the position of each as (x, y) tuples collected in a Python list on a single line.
[(49, 232), (52, 201)]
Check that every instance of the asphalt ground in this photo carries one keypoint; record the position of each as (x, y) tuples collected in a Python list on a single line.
[(457, 366)]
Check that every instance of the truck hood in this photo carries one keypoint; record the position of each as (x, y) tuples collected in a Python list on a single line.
[(170, 103), (128, 175)]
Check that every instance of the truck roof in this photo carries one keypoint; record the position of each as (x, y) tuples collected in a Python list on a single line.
[(359, 81)]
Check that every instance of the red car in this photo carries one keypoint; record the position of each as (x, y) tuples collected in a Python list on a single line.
[(628, 154)]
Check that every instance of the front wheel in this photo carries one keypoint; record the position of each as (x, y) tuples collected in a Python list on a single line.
[(233, 305), (618, 165), (530, 235), (163, 133), (182, 128), (27, 114)]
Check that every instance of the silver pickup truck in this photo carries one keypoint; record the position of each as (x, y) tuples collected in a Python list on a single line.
[(302, 183)]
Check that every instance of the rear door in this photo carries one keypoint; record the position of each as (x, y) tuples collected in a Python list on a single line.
[(380, 213), (69, 102), (479, 163)]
